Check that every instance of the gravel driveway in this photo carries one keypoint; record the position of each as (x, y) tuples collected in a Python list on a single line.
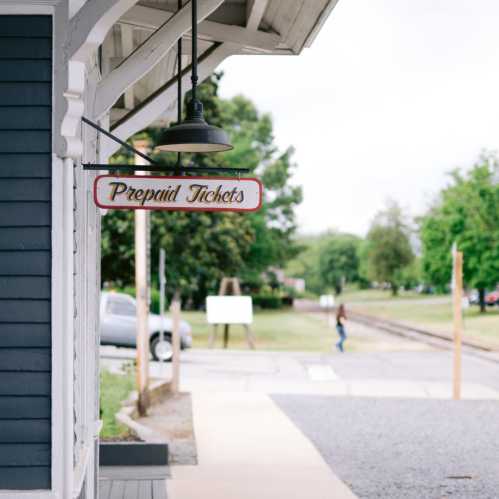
[(404, 449)]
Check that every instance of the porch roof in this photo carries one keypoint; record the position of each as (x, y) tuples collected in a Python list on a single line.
[(230, 27)]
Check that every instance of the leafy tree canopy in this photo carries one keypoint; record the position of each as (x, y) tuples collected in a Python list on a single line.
[(327, 261), (388, 250), (467, 213), (203, 247)]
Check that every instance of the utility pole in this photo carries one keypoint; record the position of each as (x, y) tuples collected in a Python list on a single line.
[(457, 295), (142, 292)]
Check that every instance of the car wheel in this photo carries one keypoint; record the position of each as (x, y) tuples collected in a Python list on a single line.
[(161, 350)]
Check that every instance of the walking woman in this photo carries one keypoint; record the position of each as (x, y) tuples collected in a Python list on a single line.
[(341, 317)]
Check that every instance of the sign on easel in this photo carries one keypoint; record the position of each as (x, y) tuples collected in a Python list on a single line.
[(178, 193), (227, 310)]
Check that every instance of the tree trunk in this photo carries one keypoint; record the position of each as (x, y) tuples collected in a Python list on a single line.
[(481, 300), (395, 289)]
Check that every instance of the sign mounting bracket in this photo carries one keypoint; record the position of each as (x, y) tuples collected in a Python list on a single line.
[(154, 166)]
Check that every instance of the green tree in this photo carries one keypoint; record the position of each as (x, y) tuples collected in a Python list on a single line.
[(467, 213), (203, 247), (339, 261), (388, 248)]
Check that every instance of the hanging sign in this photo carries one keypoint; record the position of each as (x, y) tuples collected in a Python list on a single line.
[(177, 193)]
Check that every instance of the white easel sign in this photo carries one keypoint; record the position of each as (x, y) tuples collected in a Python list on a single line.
[(229, 310), (326, 301)]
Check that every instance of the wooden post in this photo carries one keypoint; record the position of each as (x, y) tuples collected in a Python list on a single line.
[(175, 311), (458, 320), (142, 296), (162, 292), (226, 335)]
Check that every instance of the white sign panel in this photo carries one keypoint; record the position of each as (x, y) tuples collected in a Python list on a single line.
[(178, 193), (326, 301), (229, 309)]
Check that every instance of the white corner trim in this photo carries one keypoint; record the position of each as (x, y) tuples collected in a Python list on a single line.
[(62, 326)]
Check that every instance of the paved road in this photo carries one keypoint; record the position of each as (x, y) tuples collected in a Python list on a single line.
[(382, 419), (404, 449)]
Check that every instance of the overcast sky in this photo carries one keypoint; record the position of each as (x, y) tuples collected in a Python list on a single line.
[(391, 96)]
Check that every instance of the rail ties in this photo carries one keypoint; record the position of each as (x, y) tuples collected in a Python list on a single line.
[(439, 340)]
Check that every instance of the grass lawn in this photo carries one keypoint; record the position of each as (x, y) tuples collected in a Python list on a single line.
[(114, 388), (273, 330), (436, 316)]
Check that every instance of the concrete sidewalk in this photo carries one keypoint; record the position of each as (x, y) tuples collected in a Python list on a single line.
[(248, 449)]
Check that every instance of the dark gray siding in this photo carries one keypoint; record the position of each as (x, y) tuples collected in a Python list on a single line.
[(25, 251)]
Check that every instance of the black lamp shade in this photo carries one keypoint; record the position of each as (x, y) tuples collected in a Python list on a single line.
[(194, 134)]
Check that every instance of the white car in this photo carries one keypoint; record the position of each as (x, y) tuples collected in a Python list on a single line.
[(118, 326)]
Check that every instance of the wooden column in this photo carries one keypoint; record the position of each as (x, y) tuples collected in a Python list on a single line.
[(142, 294), (175, 313)]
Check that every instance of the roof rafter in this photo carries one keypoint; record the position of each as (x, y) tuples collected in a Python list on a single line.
[(149, 18), (255, 9), (147, 55)]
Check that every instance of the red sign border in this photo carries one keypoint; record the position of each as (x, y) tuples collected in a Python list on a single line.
[(121, 207)]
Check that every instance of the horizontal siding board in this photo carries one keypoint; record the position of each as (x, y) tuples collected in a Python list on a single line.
[(25, 94), (24, 454), (25, 189), (24, 287), (25, 71), (26, 26), (24, 238), (25, 384), (25, 359), (24, 408), (18, 165), (24, 311), (25, 48), (25, 118), (25, 430), (24, 263), (25, 335), (25, 251), (25, 477), (25, 141), (24, 214)]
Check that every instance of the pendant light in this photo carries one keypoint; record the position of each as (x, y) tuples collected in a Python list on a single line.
[(194, 134)]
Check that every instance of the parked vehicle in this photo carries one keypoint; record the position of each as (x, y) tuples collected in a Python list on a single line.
[(492, 298), (118, 326)]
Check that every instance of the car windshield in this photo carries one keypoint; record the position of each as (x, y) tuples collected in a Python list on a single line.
[(120, 306)]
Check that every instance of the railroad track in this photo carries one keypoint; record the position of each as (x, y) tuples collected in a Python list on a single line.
[(439, 340)]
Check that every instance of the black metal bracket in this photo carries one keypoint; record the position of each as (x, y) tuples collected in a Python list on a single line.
[(118, 140), (154, 166), (147, 168)]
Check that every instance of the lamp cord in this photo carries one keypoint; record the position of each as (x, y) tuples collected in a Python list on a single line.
[(179, 84), (194, 34)]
